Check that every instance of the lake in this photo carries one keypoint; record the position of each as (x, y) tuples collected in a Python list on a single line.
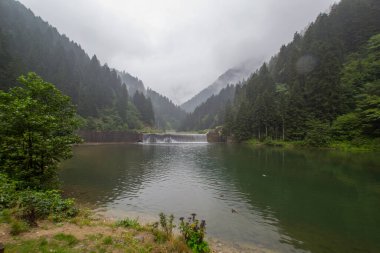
[(285, 200)]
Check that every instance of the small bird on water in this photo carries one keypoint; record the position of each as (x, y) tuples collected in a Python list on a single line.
[(233, 211)]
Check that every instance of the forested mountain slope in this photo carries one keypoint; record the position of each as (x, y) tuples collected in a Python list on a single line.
[(168, 115), (326, 76), (230, 77), (210, 113), (27, 43), (133, 83)]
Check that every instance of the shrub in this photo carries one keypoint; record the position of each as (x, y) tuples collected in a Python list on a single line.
[(129, 223), (8, 191), (18, 227), (318, 134), (34, 205), (167, 224), (193, 233), (69, 239)]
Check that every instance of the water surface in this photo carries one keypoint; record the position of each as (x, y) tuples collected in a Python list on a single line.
[(289, 201)]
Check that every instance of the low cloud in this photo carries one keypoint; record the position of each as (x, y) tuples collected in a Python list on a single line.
[(179, 47)]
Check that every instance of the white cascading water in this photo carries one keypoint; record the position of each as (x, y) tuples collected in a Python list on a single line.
[(174, 138)]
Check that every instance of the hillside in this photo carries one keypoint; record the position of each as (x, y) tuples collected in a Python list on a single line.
[(323, 86), (27, 43), (210, 113), (231, 76), (168, 115), (133, 83)]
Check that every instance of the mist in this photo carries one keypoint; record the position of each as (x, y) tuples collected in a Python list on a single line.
[(179, 47)]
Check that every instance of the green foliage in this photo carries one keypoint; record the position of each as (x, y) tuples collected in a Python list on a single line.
[(167, 224), (37, 125), (33, 205), (70, 240), (346, 127), (328, 76), (145, 108), (8, 191), (167, 115), (193, 233), (318, 134), (107, 240), (129, 223), (369, 113), (18, 227), (27, 43), (211, 113)]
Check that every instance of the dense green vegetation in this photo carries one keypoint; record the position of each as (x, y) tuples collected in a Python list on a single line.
[(27, 43), (210, 113), (37, 125), (168, 116), (320, 88)]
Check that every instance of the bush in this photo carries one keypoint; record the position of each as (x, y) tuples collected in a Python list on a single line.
[(318, 134), (167, 224), (8, 191), (346, 127), (18, 227), (129, 223), (34, 205), (193, 233)]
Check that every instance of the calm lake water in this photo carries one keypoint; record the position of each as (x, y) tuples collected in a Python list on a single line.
[(289, 201)]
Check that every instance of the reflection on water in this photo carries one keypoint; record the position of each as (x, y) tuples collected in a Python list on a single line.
[(290, 201)]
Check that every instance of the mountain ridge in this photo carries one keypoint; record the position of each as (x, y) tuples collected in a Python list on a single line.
[(230, 77)]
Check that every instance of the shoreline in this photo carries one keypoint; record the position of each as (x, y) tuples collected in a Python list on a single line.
[(94, 228), (216, 244)]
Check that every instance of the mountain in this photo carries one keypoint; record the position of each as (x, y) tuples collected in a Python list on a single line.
[(168, 116), (133, 83), (322, 86), (231, 76), (210, 113), (27, 43)]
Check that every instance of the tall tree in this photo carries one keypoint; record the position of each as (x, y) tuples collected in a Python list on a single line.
[(37, 125)]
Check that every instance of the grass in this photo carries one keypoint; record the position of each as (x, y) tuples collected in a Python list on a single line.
[(275, 143), (92, 235), (129, 223), (367, 145), (70, 240)]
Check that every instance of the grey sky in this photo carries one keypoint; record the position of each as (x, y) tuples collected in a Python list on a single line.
[(178, 47)]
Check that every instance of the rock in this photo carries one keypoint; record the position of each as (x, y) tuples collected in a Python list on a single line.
[(139, 238)]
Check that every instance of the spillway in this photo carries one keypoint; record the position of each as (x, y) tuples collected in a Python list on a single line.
[(174, 138)]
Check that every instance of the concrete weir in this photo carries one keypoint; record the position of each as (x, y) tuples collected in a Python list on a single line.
[(174, 138)]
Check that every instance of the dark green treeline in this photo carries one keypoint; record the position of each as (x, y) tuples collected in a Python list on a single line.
[(27, 43), (324, 84)]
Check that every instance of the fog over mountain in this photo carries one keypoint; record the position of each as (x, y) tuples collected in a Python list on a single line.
[(231, 76), (178, 47)]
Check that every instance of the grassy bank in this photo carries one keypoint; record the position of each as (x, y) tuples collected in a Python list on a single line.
[(359, 146), (90, 233)]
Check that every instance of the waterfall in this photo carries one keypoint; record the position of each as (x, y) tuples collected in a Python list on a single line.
[(174, 138)]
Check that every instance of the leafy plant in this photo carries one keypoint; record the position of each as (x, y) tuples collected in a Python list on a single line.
[(37, 124), (69, 239), (193, 232), (18, 227), (8, 191), (167, 224), (34, 205), (129, 223)]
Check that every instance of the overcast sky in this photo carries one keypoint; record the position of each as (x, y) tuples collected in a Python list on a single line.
[(178, 47)]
